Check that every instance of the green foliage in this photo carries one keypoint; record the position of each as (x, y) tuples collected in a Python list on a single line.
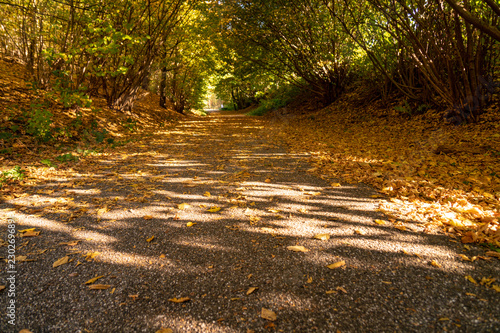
[(130, 124), (13, 174), (39, 122), (68, 157), (282, 97), (48, 163)]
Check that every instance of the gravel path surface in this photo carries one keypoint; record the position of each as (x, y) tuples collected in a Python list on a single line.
[(171, 186)]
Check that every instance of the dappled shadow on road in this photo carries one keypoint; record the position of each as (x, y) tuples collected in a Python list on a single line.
[(207, 211)]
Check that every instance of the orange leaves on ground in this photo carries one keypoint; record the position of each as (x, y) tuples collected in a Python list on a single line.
[(436, 174), (268, 314), (297, 248), (99, 286), (337, 264), (179, 300), (322, 237), (61, 261)]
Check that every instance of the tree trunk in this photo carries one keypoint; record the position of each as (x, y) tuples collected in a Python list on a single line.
[(163, 85)]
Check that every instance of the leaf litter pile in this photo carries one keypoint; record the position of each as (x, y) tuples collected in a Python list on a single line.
[(208, 226), (431, 172)]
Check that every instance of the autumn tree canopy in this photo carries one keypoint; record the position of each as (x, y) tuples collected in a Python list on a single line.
[(438, 52)]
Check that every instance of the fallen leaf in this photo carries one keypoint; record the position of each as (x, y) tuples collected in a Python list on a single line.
[(61, 261), (165, 330), (329, 292), (268, 314), (435, 264), (297, 248), (496, 288), (147, 217), (162, 256), (26, 230), (150, 239), (379, 221), (336, 265), (267, 180), (179, 300), (360, 232), (464, 257), (99, 286), (102, 210), (322, 236), (251, 290), (309, 280), (190, 224), (91, 255), (213, 209), (493, 254), (183, 206), (94, 279), (30, 233), (207, 194), (471, 279), (25, 331), (2, 287), (444, 319), (336, 185), (342, 290)]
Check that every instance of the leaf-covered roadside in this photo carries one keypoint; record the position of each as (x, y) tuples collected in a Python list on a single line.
[(441, 175)]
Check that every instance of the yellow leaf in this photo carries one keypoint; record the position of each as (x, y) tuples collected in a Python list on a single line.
[(444, 319), (296, 248), (251, 290), (179, 300), (94, 279), (435, 264), (471, 279), (102, 210), (329, 292), (493, 254), (27, 230), (30, 233), (379, 221), (336, 185), (61, 261), (147, 217), (322, 236), (207, 194), (183, 206), (150, 239), (342, 290), (162, 256), (2, 288), (213, 209), (336, 265), (91, 255), (268, 314), (464, 257), (400, 227), (496, 287), (99, 286), (190, 224), (387, 282), (267, 180), (309, 280), (165, 330), (360, 232)]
